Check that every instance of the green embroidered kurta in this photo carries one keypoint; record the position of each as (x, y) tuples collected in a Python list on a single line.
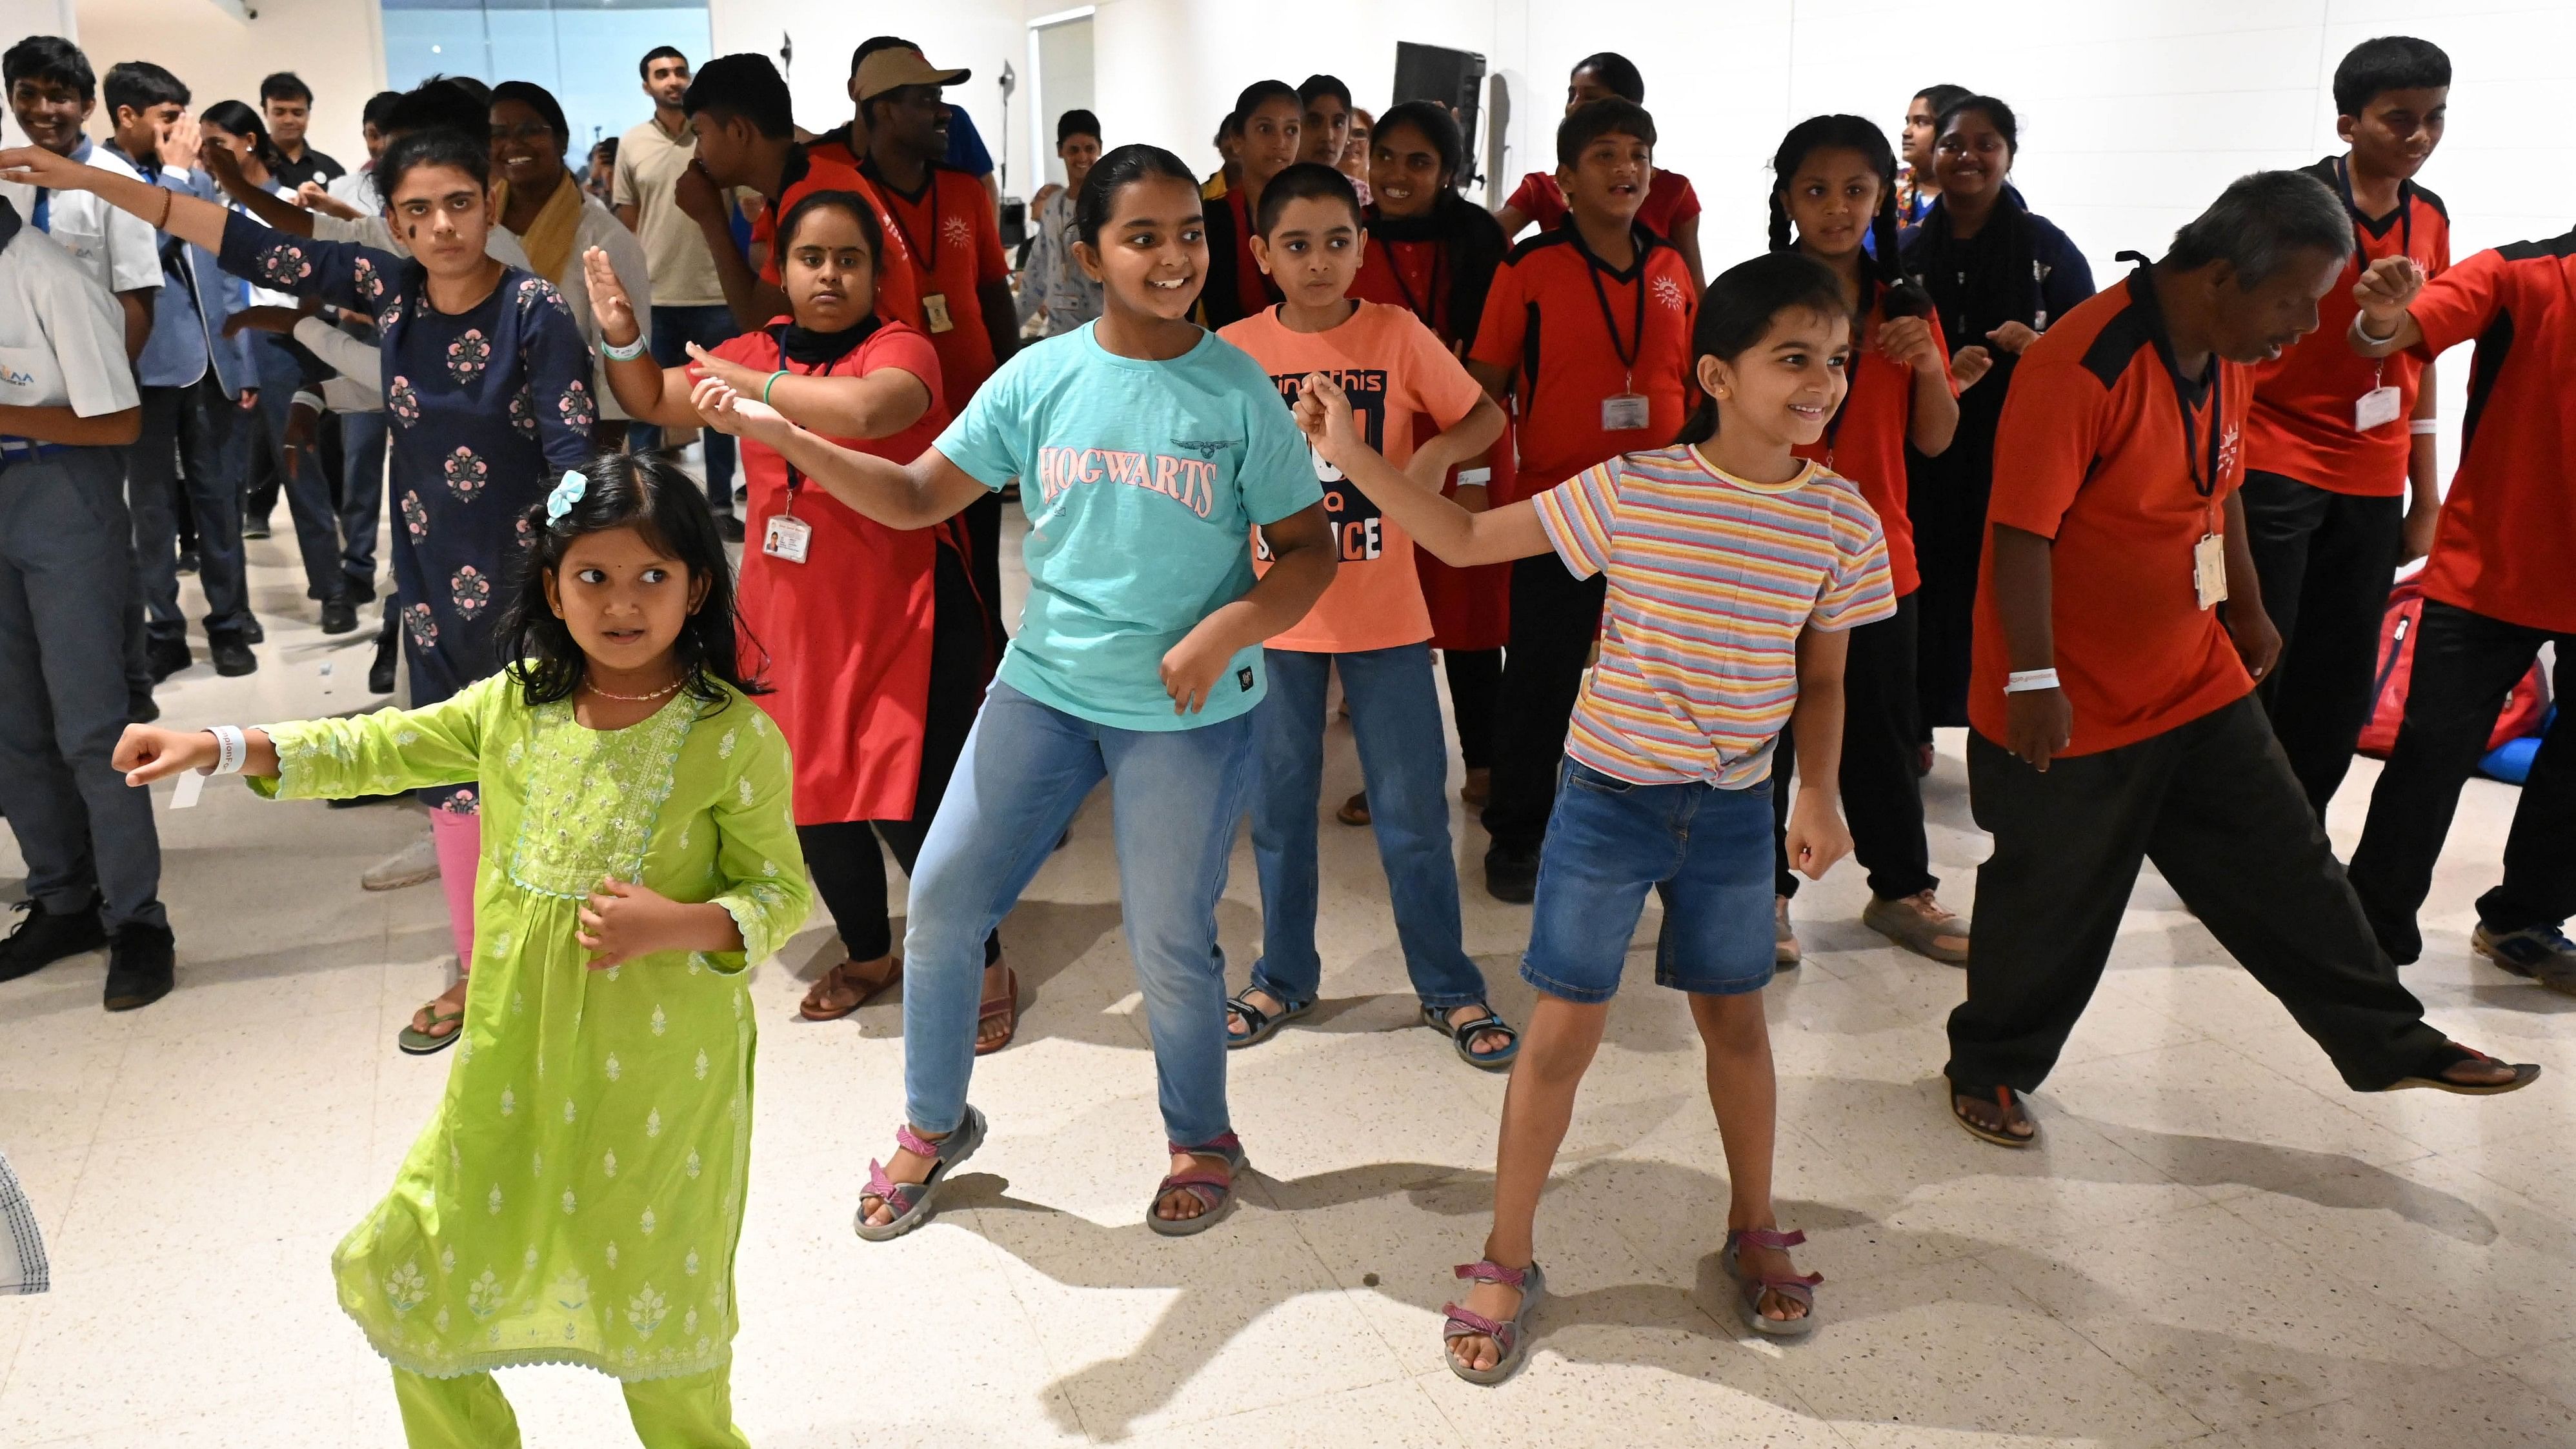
[(578, 1197)]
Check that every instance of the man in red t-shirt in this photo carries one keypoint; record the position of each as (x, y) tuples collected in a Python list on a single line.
[(2336, 441), (2501, 582), (1587, 331), (2110, 723)]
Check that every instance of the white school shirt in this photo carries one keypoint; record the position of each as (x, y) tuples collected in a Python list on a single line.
[(62, 335), (117, 249), (358, 386)]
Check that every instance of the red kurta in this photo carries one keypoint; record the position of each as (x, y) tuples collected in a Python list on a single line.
[(846, 634)]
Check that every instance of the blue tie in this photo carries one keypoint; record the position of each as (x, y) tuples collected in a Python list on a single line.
[(44, 217)]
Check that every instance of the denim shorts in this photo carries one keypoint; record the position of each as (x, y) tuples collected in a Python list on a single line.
[(1705, 851)]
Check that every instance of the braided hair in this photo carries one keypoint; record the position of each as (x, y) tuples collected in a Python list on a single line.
[(1897, 294)]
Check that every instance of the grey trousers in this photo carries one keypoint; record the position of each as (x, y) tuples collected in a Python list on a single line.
[(66, 581)]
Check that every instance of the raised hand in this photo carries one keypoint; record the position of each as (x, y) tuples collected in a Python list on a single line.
[(608, 300), (2012, 337), (1908, 340), (697, 195), (1968, 364), (2384, 292), (747, 381), (178, 142), (1324, 412)]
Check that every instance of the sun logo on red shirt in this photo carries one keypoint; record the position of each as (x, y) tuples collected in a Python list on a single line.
[(958, 233), (1669, 292), (2227, 450)]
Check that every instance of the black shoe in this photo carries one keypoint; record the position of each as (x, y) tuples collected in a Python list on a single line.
[(254, 528), (730, 524), (1511, 875), (165, 655), (141, 709), (352, 802), (187, 560), (380, 674), (339, 616), (252, 630), (139, 967), (45, 938), (232, 656)]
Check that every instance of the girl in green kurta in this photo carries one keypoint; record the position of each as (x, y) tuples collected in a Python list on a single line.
[(578, 1197)]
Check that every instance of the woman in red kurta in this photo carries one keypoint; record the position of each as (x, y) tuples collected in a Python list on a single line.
[(872, 638), (1434, 253)]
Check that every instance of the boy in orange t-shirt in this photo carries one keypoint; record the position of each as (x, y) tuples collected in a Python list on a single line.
[(1371, 624)]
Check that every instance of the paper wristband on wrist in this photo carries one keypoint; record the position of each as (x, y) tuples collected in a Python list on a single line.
[(627, 353), (1475, 477), (2024, 681), (2424, 425), (232, 750)]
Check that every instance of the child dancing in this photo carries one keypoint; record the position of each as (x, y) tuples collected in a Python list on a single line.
[(1735, 570), (578, 1196)]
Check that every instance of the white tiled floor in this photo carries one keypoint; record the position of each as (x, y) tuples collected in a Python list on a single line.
[(2218, 1245)]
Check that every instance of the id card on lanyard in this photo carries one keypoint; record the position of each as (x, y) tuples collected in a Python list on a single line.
[(2382, 404), (934, 305), (2209, 555), (787, 537), (1626, 410)]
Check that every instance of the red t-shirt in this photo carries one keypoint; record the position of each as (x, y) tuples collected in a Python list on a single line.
[(2302, 424), (1560, 318), (1865, 442), (1413, 275), (2091, 452), (2506, 547), (1670, 201), (953, 236), (811, 169)]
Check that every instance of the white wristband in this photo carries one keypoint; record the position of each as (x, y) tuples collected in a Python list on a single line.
[(232, 750), (1475, 477), (628, 353), (2024, 681), (2424, 425)]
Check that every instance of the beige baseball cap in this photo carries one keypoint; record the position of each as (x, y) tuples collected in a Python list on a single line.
[(895, 67)]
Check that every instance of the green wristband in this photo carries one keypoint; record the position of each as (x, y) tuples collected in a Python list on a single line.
[(773, 382)]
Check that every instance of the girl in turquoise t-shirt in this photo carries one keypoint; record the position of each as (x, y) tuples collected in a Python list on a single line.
[(1146, 450)]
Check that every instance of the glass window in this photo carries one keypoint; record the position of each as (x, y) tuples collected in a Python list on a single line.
[(563, 45)]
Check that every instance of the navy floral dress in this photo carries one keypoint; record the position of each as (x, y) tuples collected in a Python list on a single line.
[(489, 407)]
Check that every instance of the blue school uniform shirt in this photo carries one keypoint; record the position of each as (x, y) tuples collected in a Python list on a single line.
[(1142, 482)]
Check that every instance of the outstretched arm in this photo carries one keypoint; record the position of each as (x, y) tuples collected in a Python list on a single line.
[(1454, 535), (2383, 325), (928, 490), (183, 216)]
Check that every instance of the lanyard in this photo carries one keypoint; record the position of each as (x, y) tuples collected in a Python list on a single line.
[(795, 480), (1627, 351), (928, 261), (1439, 255), (2142, 293), (2405, 215)]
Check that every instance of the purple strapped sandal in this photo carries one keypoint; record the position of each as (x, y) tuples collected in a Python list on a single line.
[(1214, 1192), (913, 1202), (1800, 1289), (1513, 1337)]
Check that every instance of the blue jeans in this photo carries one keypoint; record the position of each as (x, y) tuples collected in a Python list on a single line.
[(1404, 762), (362, 492), (1705, 851), (1025, 771), (705, 326), (308, 493)]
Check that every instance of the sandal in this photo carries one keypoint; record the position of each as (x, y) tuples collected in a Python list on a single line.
[(2007, 1099), (1799, 1288), (1214, 1191), (2450, 1054), (913, 1202), (1354, 811), (1512, 1337), (1437, 1018), (848, 986), (1259, 1024), (417, 1042), (1005, 1005)]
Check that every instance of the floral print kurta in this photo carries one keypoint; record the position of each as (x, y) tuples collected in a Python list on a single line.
[(489, 407), (578, 1196)]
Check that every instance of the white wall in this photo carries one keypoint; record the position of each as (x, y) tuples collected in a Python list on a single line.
[(335, 45)]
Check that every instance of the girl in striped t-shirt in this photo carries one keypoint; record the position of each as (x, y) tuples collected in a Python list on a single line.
[(1734, 570)]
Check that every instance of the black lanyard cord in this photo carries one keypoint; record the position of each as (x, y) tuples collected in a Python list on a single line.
[(928, 261), (1627, 351), (2142, 293)]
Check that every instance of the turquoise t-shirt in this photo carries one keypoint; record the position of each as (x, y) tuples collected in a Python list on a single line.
[(1142, 482)]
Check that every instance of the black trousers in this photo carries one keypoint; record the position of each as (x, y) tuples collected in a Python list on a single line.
[(842, 857), (1475, 684), (1882, 796), (2214, 805), (1555, 618), (2465, 664), (2325, 560)]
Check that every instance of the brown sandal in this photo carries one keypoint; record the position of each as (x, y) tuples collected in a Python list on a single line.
[(1006, 1006), (848, 986), (2007, 1102), (1354, 811)]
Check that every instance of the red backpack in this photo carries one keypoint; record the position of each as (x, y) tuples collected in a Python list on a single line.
[(2524, 705)]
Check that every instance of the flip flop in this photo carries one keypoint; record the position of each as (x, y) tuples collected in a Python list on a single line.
[(1512, 1337), (1354, 811), (1749, 1289), (2005, 1097), (419, 1043), (845, 980), (1005, 1005), (2450, 1054), (915, 1202), (1215, 1192), (1259, 1024), (1437, 1018)]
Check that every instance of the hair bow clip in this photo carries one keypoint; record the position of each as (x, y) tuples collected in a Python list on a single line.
[(567, 493)]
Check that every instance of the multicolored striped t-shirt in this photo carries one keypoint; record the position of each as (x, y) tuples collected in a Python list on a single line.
[(1711, 579)]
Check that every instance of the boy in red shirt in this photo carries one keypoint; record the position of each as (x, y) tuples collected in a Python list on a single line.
[(2498, 586), (2110, 724), (2336, 442), (1670, 209), (1371, 626), (1588, 330)]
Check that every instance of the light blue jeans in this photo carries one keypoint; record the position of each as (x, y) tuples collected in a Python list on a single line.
[(1404, 762), (1025, 770)]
